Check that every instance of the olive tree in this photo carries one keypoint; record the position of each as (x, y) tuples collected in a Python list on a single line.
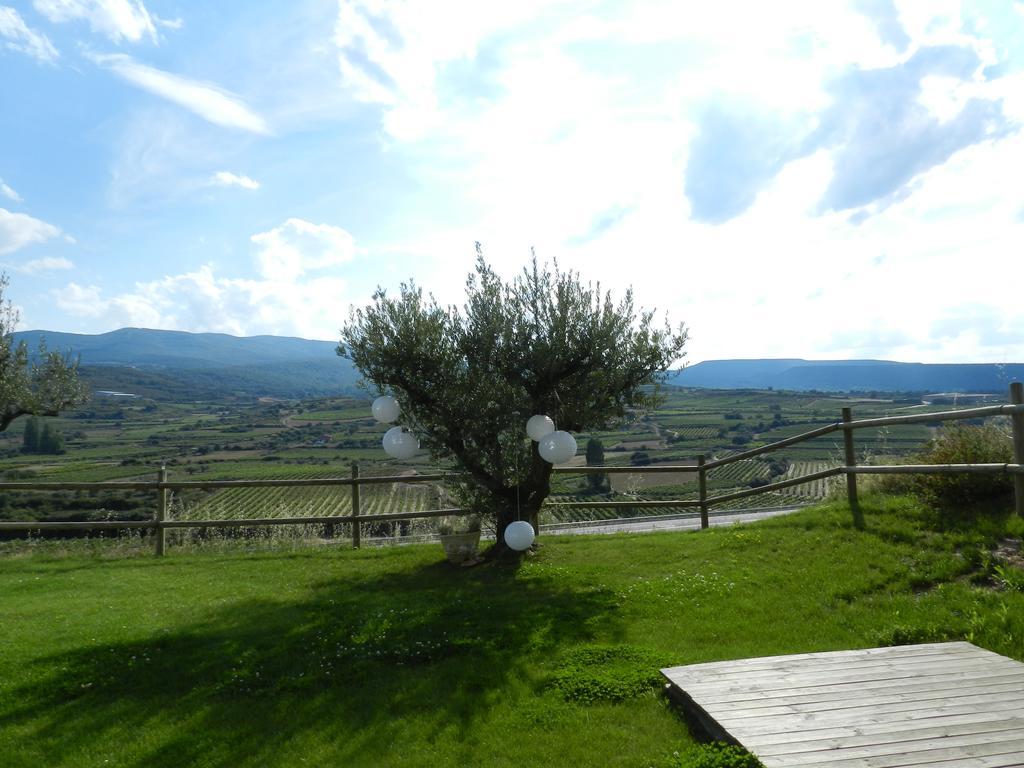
[(468, 379), (43, 384)]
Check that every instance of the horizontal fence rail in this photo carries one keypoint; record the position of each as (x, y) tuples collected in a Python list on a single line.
[(160, 524)]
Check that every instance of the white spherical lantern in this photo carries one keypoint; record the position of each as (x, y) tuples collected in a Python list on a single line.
[(557, 447), (519, 535), (538, 426), (399, 444), (385, 409)]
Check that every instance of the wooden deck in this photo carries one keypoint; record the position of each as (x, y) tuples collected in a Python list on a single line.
[(948, 705)]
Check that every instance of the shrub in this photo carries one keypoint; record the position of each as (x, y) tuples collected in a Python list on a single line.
[(601, 673), (640, 458), (960, 495)]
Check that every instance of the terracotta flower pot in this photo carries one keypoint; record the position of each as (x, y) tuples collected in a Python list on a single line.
[(461, 548)]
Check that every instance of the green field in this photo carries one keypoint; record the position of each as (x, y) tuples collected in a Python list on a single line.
[(129, 439), (391, 657)]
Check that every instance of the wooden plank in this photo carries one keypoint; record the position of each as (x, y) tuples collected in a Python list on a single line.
[(811, 668), (787, 679), (894, 732), (904, 746), (980, 720), (739, 697), (811, 720), (736, 693), (1011, 748), (828, 699), (909, 719), (941, 704)]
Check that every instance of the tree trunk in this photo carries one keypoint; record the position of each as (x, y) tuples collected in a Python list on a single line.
[(523, 503)]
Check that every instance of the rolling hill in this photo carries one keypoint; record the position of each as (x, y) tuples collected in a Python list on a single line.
[(181, 365), (848, 375), (177, 365)]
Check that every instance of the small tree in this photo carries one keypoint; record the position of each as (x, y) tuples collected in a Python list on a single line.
[(30, 438), (468, 380), (595, 458), (51, 441), (45, 385)]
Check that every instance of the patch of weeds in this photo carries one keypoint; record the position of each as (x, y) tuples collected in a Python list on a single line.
[(603, 673), (714, 755), (741, 537), (980, 562), (676, 586), (993, 627), (1009, 578), (903, 634)]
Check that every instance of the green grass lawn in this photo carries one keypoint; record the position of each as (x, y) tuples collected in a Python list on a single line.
[(391, 657)]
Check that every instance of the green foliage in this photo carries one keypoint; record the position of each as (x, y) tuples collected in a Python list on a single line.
[(603, 673), (30, 439), (45, 385), (902, 634), (42, 438), (714, 755), (598, 483), (468, 380), (959, 497), (51, 441), (1010, 577)]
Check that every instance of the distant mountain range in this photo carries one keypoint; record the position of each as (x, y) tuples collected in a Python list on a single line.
[(179, 349), (189, 366), (849, 375)]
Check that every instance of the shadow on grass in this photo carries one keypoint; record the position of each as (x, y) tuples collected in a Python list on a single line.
[(349, 666)]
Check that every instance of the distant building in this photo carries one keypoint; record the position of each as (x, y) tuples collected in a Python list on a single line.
[(959, 398)]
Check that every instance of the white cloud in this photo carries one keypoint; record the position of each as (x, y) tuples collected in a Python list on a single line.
[(18, 230), (45, 264), (283, 300), (228, 179), (172, 24), (391, 53), (204, 99), (81, 301), (9, 193), (17, 36), (116, 19), (574, 135), (297, 247)]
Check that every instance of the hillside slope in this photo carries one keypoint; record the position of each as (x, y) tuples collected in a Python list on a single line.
[(176, 365), (848, 375)]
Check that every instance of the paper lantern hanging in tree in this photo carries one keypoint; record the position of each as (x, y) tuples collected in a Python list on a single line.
[(399, 444), (385, 409), (538, 426), (557, 447), (519, 535)]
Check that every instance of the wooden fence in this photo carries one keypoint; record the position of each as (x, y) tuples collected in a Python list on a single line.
[(160, 524)]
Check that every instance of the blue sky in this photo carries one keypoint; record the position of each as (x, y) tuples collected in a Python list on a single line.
[(793, 179)]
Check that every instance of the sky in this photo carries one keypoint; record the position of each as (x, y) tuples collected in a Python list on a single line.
[(793, 179)]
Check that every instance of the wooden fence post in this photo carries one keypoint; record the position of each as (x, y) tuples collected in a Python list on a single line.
[(851, 462), (1017, 398), (160, 533), (356, 533), (702, 485)]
